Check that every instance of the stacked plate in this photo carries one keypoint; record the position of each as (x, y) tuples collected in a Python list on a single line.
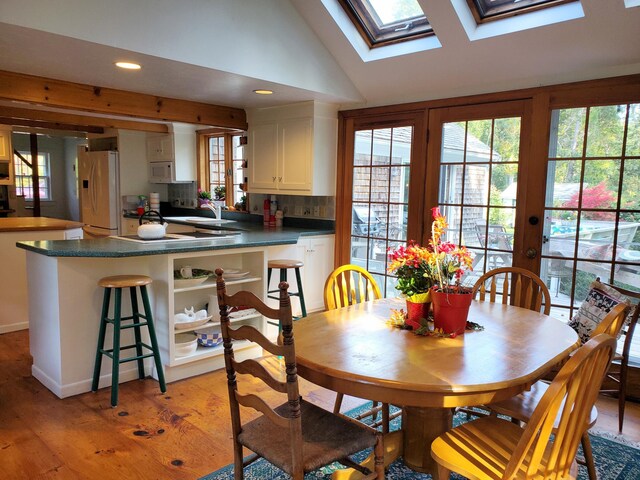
[(233, 274), (154, 201)]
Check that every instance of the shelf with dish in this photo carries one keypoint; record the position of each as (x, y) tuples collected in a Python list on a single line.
[(243, 270)]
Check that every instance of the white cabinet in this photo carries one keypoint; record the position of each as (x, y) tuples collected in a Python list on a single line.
[(6, 156), (293, 149), (179, 148), (317, 254)]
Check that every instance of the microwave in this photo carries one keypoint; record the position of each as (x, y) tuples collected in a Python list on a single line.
[(161, 172)]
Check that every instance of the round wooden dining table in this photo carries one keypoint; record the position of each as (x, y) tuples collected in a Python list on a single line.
[(354, 351)]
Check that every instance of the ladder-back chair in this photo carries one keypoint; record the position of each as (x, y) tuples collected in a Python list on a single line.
[(297, 436)]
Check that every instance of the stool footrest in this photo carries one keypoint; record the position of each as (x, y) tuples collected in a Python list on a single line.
[(109, 352)]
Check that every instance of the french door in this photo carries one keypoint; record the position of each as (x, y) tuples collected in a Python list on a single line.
[(477, 170)]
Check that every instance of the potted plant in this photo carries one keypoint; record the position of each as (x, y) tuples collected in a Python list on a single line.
[(412, 265), (220, 192), (204, 197), (451, 300)]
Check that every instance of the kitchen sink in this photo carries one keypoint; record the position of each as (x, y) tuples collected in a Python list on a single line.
[(200, 220), (183, 237)]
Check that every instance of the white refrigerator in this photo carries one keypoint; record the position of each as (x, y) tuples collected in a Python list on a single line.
[(98, 184)]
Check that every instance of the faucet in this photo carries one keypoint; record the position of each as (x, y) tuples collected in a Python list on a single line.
[(216, 209)]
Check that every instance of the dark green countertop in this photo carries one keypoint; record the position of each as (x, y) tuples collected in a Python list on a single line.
[(253, 235)]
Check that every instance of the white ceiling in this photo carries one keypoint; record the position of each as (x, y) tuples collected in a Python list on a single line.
[(218, 51)]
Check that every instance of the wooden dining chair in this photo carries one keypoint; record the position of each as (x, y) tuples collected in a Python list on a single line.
[(619, 369), (349, 285), (494, 448), (516, 286), (297, 436), (521, 407)]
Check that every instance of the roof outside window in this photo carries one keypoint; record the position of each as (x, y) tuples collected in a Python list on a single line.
[(382, 22)]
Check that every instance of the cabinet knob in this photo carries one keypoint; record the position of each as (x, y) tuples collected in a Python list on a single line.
[(273, 178), (279, 179)]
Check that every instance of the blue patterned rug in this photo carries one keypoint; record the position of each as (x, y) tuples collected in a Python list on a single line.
[(614, 461)]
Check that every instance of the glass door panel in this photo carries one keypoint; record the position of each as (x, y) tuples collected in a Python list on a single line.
[(477, 188), (592, 203), (380, 199)]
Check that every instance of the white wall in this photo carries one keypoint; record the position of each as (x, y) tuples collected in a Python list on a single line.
[(55, 147), (134, 171), (71, 176)]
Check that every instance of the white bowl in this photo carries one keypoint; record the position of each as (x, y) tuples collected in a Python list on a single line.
[(186, 344)]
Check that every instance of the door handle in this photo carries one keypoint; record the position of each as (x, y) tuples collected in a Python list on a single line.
[(531, 252)]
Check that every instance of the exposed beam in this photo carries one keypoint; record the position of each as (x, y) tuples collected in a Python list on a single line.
[(50, 125), (17, 114), (76, 96)]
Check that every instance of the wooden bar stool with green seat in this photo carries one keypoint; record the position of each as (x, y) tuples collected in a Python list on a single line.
[(117, 283), (284, 266)]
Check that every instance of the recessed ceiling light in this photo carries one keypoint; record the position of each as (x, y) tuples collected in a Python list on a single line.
[(263, 92), (128, 65)]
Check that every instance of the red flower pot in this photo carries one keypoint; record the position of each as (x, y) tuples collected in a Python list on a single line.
[(416, 312), (450, 310)]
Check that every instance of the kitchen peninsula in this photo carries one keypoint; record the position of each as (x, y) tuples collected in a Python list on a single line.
[(14, 314), (65, 301)]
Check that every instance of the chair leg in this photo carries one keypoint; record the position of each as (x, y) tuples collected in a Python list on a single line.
[(588, 456), (622, 393), (238, 467), (135, 313), (385, 418), (115, 368), (301, 293), (101, 334), (378, 452), (153, 338), (338, 404), (442, 473)]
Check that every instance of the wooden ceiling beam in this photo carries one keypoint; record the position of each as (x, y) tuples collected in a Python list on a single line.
[(18, 115), (50, 125), (76, 96)]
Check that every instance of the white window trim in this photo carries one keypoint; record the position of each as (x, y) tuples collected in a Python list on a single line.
[(48, 177), (517, 23)]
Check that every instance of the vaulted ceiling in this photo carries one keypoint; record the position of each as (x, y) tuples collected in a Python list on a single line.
[(220, 51)]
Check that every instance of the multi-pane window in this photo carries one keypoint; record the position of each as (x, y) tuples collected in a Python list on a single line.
[(380, 199), (592, 206), (24, 176), (381, 22), (225, 168), (485, 10)]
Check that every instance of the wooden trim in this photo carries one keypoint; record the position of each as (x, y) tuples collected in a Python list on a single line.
[(15, 122), (17, 116), (58, 93), (604, 90)]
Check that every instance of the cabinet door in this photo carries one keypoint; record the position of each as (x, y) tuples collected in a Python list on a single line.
[(6, 152), (263, 160), (318, 264), (160, 148), (130, 226), (294, 166)]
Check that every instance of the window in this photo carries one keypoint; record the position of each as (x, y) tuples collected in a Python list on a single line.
[(224, 170), (382, 22), (486, 10), (24, 179)]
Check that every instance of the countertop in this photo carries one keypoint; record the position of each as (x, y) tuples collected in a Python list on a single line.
[(253, 235), (24, 224)]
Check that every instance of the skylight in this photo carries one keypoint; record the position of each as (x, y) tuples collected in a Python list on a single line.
[(486, 10), (383, 22)]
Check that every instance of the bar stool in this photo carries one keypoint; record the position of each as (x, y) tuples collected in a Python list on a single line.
[(119, 282), (284, 266)]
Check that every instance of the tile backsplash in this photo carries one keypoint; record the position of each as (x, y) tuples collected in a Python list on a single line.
[(184, 195)]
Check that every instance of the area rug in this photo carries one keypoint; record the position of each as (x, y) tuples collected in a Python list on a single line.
[(614, 461)]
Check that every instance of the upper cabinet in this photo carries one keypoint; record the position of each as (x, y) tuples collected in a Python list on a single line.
[(293, 149), (6, 156), (177, 150)]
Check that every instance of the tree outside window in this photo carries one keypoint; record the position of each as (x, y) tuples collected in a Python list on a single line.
[(24, 179), (223, 172)]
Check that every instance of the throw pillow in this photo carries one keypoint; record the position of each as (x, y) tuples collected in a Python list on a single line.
[(600, 300)]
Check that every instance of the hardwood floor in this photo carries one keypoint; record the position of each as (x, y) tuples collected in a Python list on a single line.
[(183, 434)]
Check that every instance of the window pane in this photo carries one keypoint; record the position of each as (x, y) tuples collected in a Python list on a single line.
[(479, 139), (401, 147), (633, 135), (361, 184), (504, 184), (566, 181), (380, 184), (506, 139), (606, 130), (476, 188), (362, 154), (453, 142), (567, 133), (600, 189), (382, 147)]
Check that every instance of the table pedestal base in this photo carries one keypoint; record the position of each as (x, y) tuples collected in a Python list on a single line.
[(422, 426)]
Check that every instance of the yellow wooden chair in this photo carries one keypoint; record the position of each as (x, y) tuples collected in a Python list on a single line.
[(297, 436), (494, 448), (516, 286), (349, 285), (521, 407)]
